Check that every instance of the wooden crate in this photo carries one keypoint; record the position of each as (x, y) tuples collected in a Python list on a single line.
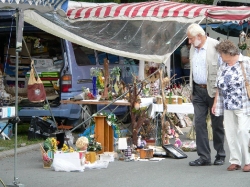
[(146, 153)]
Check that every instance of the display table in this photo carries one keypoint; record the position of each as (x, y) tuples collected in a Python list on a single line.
[(185, 108), (95, 102)]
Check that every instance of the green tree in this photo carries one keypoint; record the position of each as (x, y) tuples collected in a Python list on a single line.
[(207, 2)]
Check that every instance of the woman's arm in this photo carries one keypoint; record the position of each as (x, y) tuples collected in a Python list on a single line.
[(215, 101)]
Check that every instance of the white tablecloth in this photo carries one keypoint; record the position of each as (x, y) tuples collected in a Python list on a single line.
[(185, 108)]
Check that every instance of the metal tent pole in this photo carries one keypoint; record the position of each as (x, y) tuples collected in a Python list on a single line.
[(19, 35)]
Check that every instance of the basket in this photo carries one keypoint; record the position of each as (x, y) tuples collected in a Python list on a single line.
[(46, 164)]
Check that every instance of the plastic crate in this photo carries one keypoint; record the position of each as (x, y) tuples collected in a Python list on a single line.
[(8, 130)]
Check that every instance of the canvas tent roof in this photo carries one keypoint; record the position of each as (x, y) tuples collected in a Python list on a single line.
[(227, 14), (155, 10), (149, 31)]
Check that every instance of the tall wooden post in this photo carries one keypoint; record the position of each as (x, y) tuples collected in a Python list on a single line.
[(106, 79)]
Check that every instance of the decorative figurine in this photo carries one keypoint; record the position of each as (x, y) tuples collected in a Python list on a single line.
[(82, 144)]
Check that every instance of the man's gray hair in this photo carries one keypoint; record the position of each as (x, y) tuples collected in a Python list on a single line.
[(195, 29)]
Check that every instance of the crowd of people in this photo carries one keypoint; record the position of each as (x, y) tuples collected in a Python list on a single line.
[(216, 75)]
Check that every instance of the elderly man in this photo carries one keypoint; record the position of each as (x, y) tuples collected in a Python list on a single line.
[(204, 61)]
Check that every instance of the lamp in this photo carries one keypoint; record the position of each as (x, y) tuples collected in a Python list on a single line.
[(122, 145)]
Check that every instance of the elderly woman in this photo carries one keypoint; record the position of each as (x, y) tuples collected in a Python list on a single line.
[(231, 100)]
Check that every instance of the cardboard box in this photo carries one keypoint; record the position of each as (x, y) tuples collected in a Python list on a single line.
[(11, 51), (13, 60), (22, 61), (24, 51), (6, 112), (43, 62), (25, 61), (43, 49), (8, 130)]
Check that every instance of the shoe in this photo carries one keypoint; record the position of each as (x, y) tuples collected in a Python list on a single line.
[(200, 162), (219, 161), (246, 168), (233, 167)]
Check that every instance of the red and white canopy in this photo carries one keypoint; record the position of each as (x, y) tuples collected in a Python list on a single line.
[(149, 31), (155, 10), (226, 14)]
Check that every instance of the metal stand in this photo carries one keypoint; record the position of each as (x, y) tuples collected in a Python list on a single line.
[(158, 128)]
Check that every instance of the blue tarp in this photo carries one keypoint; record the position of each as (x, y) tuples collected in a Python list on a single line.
[(231, 29)]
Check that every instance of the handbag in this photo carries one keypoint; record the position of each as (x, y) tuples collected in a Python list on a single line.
[(36, 91), (246, 82)]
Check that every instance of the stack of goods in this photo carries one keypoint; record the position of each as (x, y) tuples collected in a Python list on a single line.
[(46, 54)]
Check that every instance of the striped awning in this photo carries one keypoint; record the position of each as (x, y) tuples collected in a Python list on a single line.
[(155, 10), (40, 5), (229, 14)]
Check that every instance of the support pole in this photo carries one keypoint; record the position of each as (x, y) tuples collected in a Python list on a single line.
[(19, 35)]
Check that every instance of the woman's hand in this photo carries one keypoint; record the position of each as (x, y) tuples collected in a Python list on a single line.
[(215, 101), (213, 108)]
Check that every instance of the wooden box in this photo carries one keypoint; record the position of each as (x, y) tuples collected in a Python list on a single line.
[(146, 153)]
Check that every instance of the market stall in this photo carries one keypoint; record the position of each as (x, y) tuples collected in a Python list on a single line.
[(138, 30), (148, 31)]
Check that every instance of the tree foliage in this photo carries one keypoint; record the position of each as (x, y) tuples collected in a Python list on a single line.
[(207, 2)]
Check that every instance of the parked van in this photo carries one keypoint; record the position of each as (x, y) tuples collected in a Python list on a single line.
[(59, 63)]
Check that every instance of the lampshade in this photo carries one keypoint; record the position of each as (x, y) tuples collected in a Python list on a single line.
[(122, 143)]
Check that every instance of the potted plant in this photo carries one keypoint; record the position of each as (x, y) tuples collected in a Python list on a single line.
[(116, 72)]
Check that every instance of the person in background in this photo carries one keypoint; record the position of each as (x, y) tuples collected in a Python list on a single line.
[(185, 60), (204, 63), (231, 100)]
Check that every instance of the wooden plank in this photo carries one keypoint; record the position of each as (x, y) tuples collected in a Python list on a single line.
[(95, 102)]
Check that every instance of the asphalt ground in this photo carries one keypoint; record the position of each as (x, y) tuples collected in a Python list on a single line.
[(169, 172)]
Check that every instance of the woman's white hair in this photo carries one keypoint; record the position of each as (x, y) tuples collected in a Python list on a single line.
[(195, 29)]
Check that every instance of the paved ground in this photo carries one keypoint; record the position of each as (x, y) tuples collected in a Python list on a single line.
[(168, 172)]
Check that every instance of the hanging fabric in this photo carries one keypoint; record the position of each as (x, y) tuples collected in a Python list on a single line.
[(36, 91)]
